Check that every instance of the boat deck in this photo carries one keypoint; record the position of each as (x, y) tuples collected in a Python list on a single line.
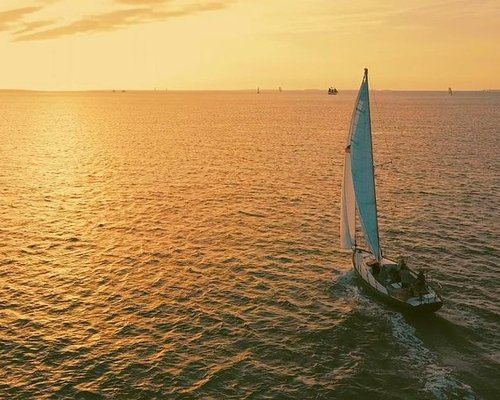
[(389, 279)]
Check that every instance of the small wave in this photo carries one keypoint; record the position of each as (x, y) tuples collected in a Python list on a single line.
[(252, 214), (87, 395), (216, 372)]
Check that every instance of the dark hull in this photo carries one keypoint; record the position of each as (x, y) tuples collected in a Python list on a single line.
[(395, 303)]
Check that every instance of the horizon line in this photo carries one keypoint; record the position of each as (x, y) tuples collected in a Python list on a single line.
[(166, 90)]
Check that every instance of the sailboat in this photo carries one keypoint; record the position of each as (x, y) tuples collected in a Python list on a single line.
[(392, 281), (450, 92), (333, 91)]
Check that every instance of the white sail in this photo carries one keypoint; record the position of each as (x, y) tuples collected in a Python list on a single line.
[(363, 180), (347, 206)]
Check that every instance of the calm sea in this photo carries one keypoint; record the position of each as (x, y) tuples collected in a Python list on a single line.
[(185, 246)]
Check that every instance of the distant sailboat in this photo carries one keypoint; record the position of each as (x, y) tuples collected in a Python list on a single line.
[(333, 91), (450, 92), (279, 88), (392, 281), (258, 90)]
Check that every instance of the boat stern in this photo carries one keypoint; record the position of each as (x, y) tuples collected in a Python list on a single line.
[(406, 298)]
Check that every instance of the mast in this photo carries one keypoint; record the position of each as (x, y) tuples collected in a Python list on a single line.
[(379, 256)]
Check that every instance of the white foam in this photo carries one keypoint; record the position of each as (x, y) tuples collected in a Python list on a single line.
[(347, 289), (438, 380)]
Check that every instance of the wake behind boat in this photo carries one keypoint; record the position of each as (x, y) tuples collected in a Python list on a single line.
[(392, 281)]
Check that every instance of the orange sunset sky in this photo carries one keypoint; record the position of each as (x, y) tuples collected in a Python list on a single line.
[(242, 44)]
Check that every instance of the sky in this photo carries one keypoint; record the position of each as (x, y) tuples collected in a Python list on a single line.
[(244, 44)]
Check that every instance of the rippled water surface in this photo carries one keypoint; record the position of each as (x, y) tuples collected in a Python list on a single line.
[(185, 245)]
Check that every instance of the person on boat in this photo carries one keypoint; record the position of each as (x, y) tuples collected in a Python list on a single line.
[(375, 269), (421, 279), (394, 275), (406, 278), (419, 288)]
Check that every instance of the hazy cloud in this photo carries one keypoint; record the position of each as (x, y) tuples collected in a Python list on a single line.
[(146, 11), (30, 26), (142, 2), (10, 18), (97, 23)]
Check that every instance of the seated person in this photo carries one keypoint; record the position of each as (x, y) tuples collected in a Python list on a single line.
[(394, 275), (421, 279), (406, 278), (420, 288), (402, 264)]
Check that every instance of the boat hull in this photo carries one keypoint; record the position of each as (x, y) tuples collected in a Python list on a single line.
[(418, 306)]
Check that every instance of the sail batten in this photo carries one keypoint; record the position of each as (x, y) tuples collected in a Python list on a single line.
[(360, 176)]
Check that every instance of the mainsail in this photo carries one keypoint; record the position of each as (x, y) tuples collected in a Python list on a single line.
[(359, 163)]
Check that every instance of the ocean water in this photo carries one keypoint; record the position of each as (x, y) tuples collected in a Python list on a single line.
[(185, 246)]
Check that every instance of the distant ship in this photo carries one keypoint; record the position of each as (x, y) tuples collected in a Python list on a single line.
[(450, 92), (333, 91)]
